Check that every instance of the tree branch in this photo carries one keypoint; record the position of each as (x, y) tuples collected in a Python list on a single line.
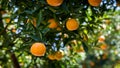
[(15, 61)]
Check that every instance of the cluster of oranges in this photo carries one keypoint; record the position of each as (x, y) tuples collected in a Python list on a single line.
[(56, 3), (56, 56), (39, 49), (95, 3), (71, 24), (101, 39)]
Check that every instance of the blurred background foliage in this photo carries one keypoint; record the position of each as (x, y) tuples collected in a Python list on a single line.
[(95, 44)]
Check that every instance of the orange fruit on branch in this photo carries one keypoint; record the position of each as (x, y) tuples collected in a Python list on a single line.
[(51, 56), (104, 56), (53, 24), (58, 55), (72, 24), (103, 46), (38, 49), (94, 2), (14, 30), (7, 20), (101, 39), (54, 2)]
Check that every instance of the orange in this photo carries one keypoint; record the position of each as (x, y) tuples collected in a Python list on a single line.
[(7, 20), (72, 24), (104, 56), (53, 24), (101, 39), (38, 49), (58, 55), (103, 46), (94, 2), (51, 56), (54, 2), (13, 30)]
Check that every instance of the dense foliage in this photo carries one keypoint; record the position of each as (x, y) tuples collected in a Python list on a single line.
[(93, 44)]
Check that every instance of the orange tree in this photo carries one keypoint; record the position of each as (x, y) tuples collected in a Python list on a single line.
[(62, 29)]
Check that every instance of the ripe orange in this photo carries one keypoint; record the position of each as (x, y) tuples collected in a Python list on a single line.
[(101, 39), (103, 46), (13, 30), (94, 2), (38, 49), (58, 55), (7, 20), (104, 56), (72, 24), (51, 56), (54, 2), (53, 23)]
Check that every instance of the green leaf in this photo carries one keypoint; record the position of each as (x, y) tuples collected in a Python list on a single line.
[(35, 38), (39, 20), (85, 47)]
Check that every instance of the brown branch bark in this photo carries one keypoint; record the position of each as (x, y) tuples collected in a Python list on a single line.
[(15, 61)]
